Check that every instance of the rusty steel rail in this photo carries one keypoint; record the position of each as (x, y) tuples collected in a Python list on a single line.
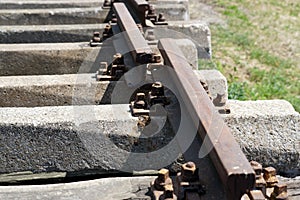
[(138, 46), (140, 8), (231, 164)]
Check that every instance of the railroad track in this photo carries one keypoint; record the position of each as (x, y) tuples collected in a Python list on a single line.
[(135, 68)]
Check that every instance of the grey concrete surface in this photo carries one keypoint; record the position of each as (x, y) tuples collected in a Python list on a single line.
[(52, 58), (66, 58), (48, 33), (198, 31), (46, 90), (189, 50), (83, 140), (268, 132), (53, 16), (173, 11), (104, 189), (127, 187), (80, 139), (217, 85), (59, 90), (36, 4), (78, 15)]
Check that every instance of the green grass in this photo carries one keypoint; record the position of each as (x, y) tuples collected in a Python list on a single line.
[(265, 57), (243, 50)]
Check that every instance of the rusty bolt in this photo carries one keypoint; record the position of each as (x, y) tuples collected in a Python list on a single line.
[(280, 188), (107, 28), (140, 97), (106, 3), (280, 192), (117, 56), (188, 171), (157, 89), (149, 35), (140, 101), (163, 175), (114, 20), (156, 58), (144, 120), (151, 10), (161, 17), (96, 34), (169, 191), (260, 182), (270, 176), (118, 59), (162, 180), (257, 168)]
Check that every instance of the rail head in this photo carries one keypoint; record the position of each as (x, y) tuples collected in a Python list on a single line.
[(138, 46), (141, 7), (231, 164)]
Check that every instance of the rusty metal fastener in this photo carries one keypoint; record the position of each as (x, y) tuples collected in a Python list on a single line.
[(161, 17), (151, 10), (118, 59), (260, 182), (188, 182), (270, 176), (188, 172), (157, 89), (151, 15), (157, 95), (140, 101), (96, 37), (107, 3), (96, 34), (114, 70), (162, 180), (162, 186), (169, 192), (156, 58), (149, 35), (143, 121), (280, 192), (107, 28), (256, 195), (107, 32), (257, 167)]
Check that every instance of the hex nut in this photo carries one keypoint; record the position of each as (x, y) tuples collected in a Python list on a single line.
[(257, 167), (270, 176), (280, 192), (188, 171)]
